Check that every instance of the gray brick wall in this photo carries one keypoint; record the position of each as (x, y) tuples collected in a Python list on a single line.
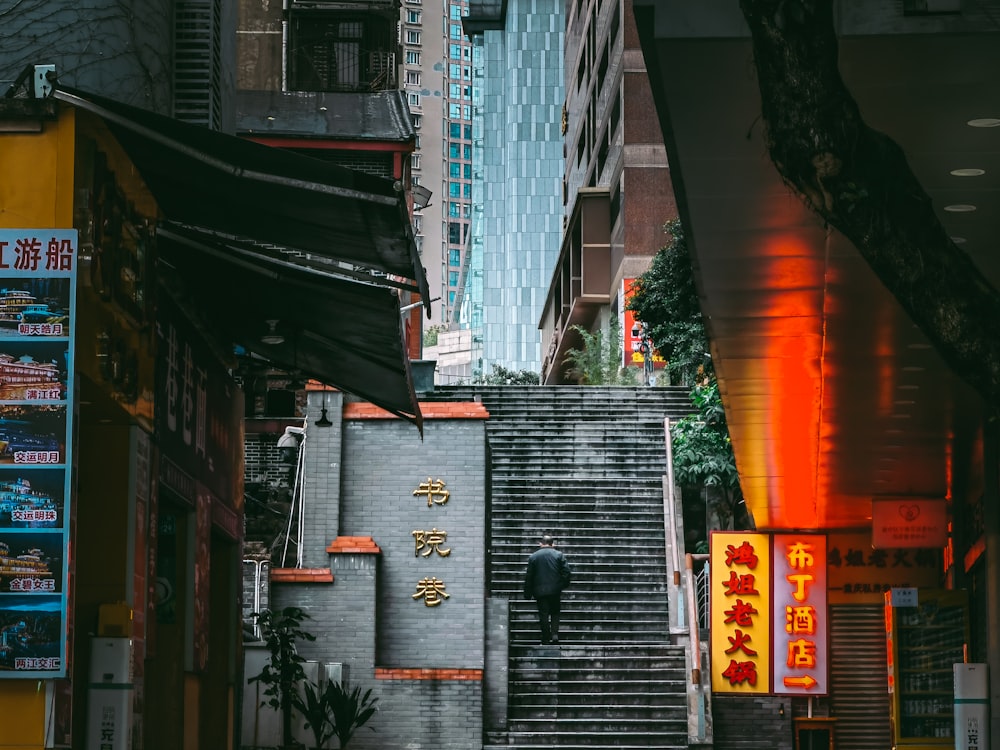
[(322, 470), (385, 461), (752, 722), (360, 479), (424, 715), (341, 616)]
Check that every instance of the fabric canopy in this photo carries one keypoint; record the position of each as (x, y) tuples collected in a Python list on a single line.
[(257, 234)]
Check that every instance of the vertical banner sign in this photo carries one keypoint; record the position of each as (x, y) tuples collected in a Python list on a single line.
[(741, 613), (799, 616), (636, 347), (37, 320)]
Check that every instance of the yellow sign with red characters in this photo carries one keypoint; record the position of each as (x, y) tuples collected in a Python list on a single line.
[(741, 613)]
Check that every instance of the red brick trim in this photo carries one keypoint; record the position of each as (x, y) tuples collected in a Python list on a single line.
[(475, 675), (428, 409), (301, 575), (363, 545)]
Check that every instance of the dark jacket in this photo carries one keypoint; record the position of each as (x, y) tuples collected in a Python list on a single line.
[(548, 572)]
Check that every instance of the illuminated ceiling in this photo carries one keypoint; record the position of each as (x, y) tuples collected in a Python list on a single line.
[(832, 396)]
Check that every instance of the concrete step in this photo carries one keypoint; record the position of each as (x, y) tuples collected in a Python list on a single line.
[(620, 739)]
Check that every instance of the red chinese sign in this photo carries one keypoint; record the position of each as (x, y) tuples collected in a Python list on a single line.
[(769, 619)]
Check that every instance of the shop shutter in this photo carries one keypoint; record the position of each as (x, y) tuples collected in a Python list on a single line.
[(858, 677)]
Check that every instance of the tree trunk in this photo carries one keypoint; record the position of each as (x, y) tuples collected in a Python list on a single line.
[(859, 182)]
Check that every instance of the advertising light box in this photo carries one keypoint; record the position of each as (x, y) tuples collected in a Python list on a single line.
[(37, 316)]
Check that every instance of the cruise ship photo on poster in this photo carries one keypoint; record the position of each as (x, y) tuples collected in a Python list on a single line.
[(31, 562), (32, 433), (32, 499), (34, 307), (30, 632), (33, 370)]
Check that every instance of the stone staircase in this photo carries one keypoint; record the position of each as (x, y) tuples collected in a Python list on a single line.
[(585, 464)]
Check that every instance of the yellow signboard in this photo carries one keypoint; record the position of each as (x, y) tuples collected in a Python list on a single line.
[(741, 612)]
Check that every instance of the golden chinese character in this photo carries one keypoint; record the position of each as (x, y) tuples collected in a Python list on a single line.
[(800, 556), (799, 580), (429, 541), (435, 491), (431, 590), (800, 620), (801, 654)]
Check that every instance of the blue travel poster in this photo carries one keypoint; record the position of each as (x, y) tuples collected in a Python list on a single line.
[(37, 309)]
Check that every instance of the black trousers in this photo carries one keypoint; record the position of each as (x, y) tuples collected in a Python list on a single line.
[(548, 617)]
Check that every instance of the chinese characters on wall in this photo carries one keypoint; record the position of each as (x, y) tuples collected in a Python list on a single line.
[(429, 543), (37, 319)]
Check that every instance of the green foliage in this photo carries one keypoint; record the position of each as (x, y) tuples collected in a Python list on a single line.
[(502, 376), (283, 672), (338, 710), (432, 333), (599, 362), (666, 301), (351, 710), (703, 456)]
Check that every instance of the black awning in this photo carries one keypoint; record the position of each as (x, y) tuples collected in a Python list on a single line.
[(344, 333), (257, 234), (226, 184)]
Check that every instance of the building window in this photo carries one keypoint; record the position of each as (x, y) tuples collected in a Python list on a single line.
[(454, 209), (413, 16), (455, 90), (466, 72), (456, 31), (452, 278), (415, 161), (467, 171), (416, 141), (413, 77), (335, 54), (412, 57), (451, 298), (418, 222), (466, 151), (467, 190), (454, 257), (455, 150), (413, 99), (456, 12), (455, 129), (455, 51), (454, 169), (417, 120), (412, 36), (466, 112), (455, 70), (467, 132), (415, 179), (466, 211), (455, 111), (455, 189)]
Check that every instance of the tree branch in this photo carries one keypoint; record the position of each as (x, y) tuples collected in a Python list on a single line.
[(858, 180)]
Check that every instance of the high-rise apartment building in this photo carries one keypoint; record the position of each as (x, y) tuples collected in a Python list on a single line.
[(437, 79), (616, 187)]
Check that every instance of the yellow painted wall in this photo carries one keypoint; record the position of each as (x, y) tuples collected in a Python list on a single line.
[(37, 186), (37, 192)]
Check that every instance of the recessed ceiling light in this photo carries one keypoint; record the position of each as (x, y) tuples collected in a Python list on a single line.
[(985, 122), (960, 208), (958, 240), (968, 172)]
